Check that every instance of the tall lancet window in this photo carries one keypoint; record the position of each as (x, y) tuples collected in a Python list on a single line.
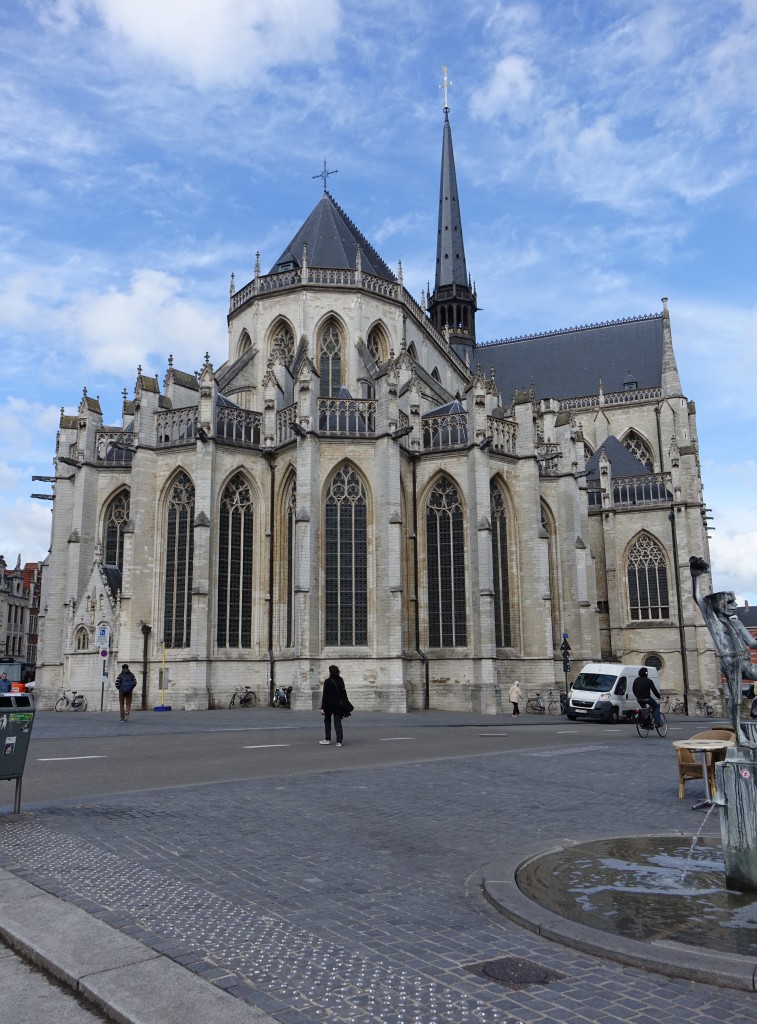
[(647, 580), (502, 631), (331, 360), (291, 516), (346, 591), (235, 546), (445, 560), (116, 518), (177, 613)]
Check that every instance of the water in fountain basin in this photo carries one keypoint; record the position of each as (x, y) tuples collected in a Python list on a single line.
[(648, 889), (694, 842)]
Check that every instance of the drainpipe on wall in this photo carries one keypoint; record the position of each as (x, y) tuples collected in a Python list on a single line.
[(677, 577), (146, 630), (424, 659), (271, 511)]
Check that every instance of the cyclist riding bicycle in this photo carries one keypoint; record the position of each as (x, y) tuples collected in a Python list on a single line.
[(643, 690)]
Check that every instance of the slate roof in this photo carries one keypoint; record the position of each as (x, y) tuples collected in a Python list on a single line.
[(748, 616), (332, 240), (569, 363), (623, 462)]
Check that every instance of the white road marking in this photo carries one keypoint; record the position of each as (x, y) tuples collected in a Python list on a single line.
[(392, 739), (83, 757), (265, 746), (493, 734)]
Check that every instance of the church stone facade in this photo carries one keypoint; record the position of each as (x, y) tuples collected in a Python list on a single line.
[(363, 482)]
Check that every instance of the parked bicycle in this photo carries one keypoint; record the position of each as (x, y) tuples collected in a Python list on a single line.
[(645, 723), (282, 697), (76, 702), (672, 707), (704, 708), (243, 697), (535, 705)]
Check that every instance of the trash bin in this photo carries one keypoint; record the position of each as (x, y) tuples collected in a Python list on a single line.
[(16, 720)]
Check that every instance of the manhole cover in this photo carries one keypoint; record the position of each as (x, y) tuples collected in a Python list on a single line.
[(514, 972)]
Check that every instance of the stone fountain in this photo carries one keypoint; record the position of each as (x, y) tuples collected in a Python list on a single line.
[(737, 774)]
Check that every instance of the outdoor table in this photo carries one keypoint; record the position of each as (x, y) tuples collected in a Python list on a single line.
[(705, 748)]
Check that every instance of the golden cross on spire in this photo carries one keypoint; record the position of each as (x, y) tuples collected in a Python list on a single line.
[(445, 85)]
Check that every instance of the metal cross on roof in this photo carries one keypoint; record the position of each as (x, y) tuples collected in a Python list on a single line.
[(324, 174), (445, 85)]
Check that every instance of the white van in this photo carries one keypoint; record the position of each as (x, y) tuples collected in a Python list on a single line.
[(603, 691)]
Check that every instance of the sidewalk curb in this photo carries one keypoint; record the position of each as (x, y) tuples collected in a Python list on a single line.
[(675, 960), (126, 979)]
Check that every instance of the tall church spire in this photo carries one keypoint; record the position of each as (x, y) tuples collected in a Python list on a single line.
[(452, 305)]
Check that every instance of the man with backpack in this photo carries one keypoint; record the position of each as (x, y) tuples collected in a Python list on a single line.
[(125, 683), (643, 691)]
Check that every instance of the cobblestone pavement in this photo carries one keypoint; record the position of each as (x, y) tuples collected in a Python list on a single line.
[(351, 896)]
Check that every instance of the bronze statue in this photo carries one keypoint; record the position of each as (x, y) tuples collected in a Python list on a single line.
[(732, 641)]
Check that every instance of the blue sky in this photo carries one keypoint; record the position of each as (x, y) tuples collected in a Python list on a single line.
[(606, 156)]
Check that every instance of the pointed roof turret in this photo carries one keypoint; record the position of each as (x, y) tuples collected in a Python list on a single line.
[(452, 306), (332, 242)]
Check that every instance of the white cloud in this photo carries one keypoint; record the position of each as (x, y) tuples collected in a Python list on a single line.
[(118, 329), (217, 42), (509, 89)]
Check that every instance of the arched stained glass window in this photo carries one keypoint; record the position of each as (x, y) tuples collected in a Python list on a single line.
[(283, 340), (375, 344), (291, 515), (81, 640), (346, 592), (548, 525), (235, 546), (637, 446), (331, 360), (177, 613), (647, 580), (116, 518), (502, 631), (445, 560)]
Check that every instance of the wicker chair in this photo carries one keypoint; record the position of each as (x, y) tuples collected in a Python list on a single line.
[(689, 765)]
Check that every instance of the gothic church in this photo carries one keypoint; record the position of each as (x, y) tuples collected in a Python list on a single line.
[(365, 482)]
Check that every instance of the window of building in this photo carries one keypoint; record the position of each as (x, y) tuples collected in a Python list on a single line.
[(375, 344), (291, 565), (283, 340), (331, 360), (653, 661), (81, 639), (412, 351), (548, 525), (502, 632), (116, 518), (445, 559), (647, 580), (346, 568), (235, 547), (638, 447), (177, 613)]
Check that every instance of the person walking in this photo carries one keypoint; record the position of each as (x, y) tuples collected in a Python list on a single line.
[(125, 683), (334, 703), (516, 696)]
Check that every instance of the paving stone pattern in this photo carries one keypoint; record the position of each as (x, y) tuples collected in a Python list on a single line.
[(352, 896)]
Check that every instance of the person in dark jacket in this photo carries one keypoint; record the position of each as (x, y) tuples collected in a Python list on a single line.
[(125, 683), (643, 691), (333, 703)]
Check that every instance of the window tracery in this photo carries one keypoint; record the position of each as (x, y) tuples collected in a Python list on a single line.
[(647, 580), (330, 360), (177, 612), (346, 561), (445, 561), (235, 565)]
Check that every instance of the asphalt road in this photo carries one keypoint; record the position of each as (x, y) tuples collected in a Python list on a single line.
[(79, 756)]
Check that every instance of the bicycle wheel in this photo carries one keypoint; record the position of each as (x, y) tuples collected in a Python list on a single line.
[(642, 726), (662, 728), (61, 704), (665, 703), (233, 701), (530, 706), (79, 703), (700, 709), (554, 707), (249, 700)]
